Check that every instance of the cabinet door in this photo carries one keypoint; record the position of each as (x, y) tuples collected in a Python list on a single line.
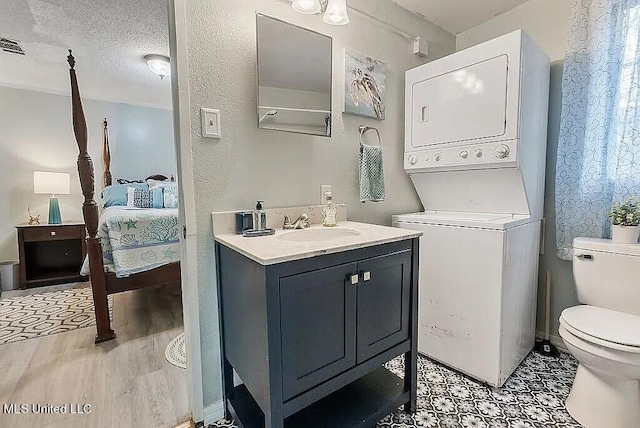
[(317, 318), (383, 303)]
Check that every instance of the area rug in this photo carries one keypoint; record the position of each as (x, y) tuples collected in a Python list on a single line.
[(532, 398), (176, 352), (36, 315)]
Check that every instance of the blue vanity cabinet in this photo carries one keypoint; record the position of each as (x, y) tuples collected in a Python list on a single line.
[(318, 327), (384, 304), (309, 337)]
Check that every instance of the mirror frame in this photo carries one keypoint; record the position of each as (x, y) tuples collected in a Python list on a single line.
[(258, 15)]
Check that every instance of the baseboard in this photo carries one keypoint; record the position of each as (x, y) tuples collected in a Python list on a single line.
[(213, 413), (555, 341)]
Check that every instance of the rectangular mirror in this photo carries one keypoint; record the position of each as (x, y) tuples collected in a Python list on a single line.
[(294, 78)]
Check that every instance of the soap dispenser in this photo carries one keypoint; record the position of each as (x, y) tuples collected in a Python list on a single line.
[(259, 217), (329, 211)]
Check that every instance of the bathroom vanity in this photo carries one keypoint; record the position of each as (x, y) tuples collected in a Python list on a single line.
[(310, 316)]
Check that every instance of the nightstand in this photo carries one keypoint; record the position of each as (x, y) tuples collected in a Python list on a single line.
[(51, 253)]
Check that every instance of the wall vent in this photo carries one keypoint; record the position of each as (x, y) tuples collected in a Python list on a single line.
[(11, 46)]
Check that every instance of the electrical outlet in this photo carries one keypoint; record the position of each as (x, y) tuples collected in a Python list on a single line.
[(323, 189)]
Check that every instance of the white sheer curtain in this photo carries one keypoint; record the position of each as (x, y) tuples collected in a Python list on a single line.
[(599, 142)]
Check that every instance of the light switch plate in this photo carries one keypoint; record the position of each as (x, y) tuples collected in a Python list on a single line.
[(210, 119)]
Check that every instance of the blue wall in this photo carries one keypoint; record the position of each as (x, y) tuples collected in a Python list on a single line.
[(563, 289)]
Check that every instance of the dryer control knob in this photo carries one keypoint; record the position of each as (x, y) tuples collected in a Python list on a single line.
[(413, 159), (438, 157), (502, 151), (479, 153), (464, 154)]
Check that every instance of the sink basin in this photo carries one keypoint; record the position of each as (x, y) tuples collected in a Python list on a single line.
[(317, 235)]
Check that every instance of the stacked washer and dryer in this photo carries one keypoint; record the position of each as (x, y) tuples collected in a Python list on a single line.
[(475, 149)]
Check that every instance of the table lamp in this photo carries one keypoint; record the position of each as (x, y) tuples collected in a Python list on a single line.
[(52, 183)]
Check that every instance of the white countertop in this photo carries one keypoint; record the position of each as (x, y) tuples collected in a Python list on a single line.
[(268, 250)]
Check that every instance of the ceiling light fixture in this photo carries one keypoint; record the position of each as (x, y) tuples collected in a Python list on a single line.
[(308, 7), (334, 11), (159, 64)]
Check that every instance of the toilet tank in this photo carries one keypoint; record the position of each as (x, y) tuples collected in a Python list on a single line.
[(607, 274)]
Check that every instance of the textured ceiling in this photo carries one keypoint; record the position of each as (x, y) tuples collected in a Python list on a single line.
[(109, 39), (457, 16)]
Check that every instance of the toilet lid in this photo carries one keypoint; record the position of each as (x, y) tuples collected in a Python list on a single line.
[(604, 324)]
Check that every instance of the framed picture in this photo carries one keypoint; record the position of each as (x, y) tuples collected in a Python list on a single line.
[(365, 81)]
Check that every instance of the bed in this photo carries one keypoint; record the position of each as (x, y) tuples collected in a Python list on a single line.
[(127, 249)]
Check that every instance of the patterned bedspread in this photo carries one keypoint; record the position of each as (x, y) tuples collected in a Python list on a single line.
[(137, 240)]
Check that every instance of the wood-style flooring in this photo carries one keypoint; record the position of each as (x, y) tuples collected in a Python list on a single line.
[(127, 381)]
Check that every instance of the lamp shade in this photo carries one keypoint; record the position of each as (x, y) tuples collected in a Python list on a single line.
[(308, 7), (336, 13), (52, 183)]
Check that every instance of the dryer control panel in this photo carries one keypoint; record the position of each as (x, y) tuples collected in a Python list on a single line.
[(487, 155)]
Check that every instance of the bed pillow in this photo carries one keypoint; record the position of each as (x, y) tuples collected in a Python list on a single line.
[(116, 195), (142, 198), (169, 190)]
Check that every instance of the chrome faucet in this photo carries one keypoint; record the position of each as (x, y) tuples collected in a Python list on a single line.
[(287, 223), (302, 222)]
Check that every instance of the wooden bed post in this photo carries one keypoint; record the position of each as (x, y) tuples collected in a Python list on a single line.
[(106, 155), (90, 213)]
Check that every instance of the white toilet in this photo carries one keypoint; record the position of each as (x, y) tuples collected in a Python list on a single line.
[(603, 334)]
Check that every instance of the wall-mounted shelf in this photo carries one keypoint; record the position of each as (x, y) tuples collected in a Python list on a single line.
[(301, 110)]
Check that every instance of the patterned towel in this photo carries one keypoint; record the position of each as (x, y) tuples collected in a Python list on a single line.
[(371, 173)]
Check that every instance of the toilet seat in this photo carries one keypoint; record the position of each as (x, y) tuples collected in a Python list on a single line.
[(604, 327)]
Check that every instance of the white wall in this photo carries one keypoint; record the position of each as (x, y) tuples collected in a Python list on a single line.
[(36, 134), (547, 21), (281, 168)]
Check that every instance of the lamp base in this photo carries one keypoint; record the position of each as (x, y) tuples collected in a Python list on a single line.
[(54, 211)]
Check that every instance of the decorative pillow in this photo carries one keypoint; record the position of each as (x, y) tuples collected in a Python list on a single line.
[(158, 197), (140, 198), (125, 181), (169, 189), (116, 195)]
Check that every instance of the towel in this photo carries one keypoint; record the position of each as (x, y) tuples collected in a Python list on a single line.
[(371, 173)]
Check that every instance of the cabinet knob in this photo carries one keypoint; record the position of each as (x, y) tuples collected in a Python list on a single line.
[(366, 276), (53, 234), (354, 279)]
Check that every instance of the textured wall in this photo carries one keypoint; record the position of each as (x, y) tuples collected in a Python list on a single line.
[(281, 168), (547, 21), (36, 134)]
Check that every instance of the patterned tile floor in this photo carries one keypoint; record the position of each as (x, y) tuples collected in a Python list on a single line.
[(533, 397)]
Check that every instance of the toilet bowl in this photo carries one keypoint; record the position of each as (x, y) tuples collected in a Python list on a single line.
[(603, 334)]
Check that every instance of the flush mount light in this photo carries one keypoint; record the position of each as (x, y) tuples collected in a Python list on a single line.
[(308, 7), (336, 13), (159, 64)]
